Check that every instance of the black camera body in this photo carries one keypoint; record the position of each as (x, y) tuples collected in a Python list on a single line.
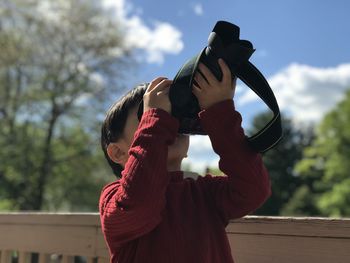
[(223, 42)]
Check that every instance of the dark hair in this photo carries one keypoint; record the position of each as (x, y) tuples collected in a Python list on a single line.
[(114, 123)]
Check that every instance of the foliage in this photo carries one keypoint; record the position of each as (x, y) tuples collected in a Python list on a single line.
[(280, 162), (59, 63), (325, 165)]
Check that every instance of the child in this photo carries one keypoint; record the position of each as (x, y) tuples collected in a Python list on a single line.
[(152, 214)]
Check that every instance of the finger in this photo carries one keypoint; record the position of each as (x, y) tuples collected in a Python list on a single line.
[(162, 85), (201, 81), (196, 90), (208, 74), (165, 91), (154, 83), (226, 72)]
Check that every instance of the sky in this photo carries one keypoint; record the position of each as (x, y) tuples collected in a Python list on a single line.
[(302, 48)]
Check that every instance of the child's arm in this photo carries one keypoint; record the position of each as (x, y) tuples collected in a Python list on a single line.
[(246, 185), (132, 206)]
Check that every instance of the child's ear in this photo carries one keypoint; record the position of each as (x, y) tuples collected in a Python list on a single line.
[(116, 153)]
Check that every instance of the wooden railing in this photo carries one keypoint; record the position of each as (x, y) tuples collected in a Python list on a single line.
[(56, 237), (61, 238)]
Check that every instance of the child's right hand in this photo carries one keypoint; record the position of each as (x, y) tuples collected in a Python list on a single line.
[(157, 95), (209, 90)]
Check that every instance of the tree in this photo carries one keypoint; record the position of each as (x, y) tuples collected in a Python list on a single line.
[(310, 171), (59, 63), (280, 162), (325, 166)]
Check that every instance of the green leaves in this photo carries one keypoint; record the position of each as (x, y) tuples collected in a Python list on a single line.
[(325, 166), (310, 170), (52, 55), (280, 162)]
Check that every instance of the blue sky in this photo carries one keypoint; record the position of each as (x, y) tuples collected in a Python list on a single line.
[(313, 32), (302, 48)]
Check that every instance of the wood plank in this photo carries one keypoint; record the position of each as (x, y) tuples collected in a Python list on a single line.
[(44, 258), (101, 247), (103, 260), (277, 249), (90, 260), (37, 218), (67, 259), (24, 257), (313, 227), (67, 240), (6, 256)]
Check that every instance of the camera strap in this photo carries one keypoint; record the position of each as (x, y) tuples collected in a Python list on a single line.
[(271, 134)]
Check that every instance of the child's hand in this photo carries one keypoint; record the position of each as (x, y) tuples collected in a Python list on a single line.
[(212, 91), (157, 95)]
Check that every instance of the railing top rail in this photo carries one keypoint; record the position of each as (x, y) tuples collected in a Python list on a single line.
[(92, 219), (43, 218)]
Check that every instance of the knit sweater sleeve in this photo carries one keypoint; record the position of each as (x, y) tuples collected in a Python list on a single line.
[(131, 206), (246, 185)]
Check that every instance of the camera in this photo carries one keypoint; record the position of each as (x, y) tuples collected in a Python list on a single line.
[(223, 42)]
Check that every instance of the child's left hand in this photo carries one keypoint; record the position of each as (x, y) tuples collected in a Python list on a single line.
[(212, 91)]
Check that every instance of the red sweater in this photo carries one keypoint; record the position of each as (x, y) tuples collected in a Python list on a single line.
[(152, 215)]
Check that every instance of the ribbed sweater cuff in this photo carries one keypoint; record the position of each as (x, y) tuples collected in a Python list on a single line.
[(218, 113), (159, 122)]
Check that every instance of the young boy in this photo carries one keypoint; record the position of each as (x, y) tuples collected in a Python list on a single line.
[(154, 214)]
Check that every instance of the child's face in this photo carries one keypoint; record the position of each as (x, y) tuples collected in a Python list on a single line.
[(176, 152)]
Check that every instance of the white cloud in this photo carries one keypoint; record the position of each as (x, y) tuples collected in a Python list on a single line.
[(164, 38), (200, 143), (201, 154), (306, 92), (160, 39), (198, 9)]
